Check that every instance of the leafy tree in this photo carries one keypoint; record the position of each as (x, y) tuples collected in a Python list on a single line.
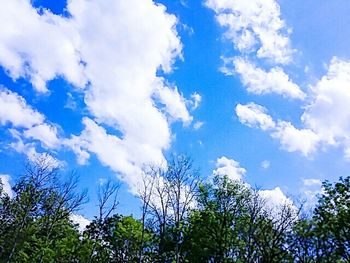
[(182, 220), (332, 220), (214, 227), (108, 203), (38, 212)]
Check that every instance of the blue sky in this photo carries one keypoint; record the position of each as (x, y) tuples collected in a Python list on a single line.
[(259, 90)]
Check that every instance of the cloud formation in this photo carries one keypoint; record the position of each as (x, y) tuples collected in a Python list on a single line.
[(230, 168), (259, 34), (99, 48), (260, 82), (325, 119), (254, 27), (22, 56), (255, 116), (291, 138), (14, 110), (328, 114), (275, 198), (25, 122)]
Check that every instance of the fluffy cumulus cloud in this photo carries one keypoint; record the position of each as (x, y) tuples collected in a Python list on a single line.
[(45, 133), (22, 56), (275, 198), (6, 186), (230, 168), (291, 138), (257, 32), (14, 110), (254, 27), (123, 81), (329, 114), (122, 156), (26, 122), (100, 49), (255, 116), (259, 81), (325, 120)]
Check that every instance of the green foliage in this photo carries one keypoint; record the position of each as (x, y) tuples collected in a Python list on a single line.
[(119, 239), (230, 222), (332, 219)]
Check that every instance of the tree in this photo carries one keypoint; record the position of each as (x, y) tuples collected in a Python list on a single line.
[(30, 194), (214, 226), (182, 181), (107, 203), (160, 211), (34, 220), (169, 194), (145, 193), (331, 219)]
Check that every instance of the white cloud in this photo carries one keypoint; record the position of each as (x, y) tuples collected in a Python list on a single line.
[(261, 82), (254, 26), (45, 133), (124, 81), (275, 197), (5, 180), (115, 48), (312, 182), (325, 120), (174, 103), (184, 3), (291, 138), (198, 124), (265, 164), (81, 221), (125, 157), (254, 115), (275, 200), (21, 53), (195, 101), (328, 114), (16, 111), (71, 103), (230, 168), (30, 151)]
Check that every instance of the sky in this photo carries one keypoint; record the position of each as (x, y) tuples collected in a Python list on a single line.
[(258, 90)]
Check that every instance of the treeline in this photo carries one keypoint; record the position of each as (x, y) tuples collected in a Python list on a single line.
[(183, 219)]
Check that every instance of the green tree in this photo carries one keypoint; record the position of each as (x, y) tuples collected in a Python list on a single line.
[(36, 220), (121, 237), (332, 220), (214, 226)]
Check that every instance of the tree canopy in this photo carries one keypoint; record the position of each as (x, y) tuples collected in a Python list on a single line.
[(183, 219)]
